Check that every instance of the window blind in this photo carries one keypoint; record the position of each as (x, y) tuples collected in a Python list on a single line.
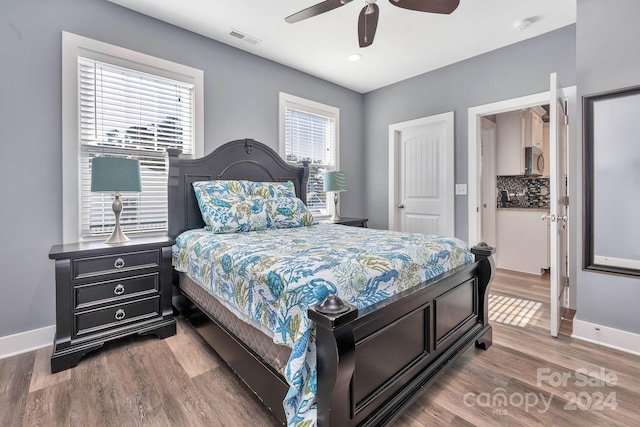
[(311, 137), (127, 113)]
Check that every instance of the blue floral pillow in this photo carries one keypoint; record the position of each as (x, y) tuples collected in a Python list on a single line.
[(268, 190), (221, 189), (235, 215), (207, 191), (287, 212)]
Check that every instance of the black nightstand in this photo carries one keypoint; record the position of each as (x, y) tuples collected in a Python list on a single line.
[(104, 292), (354, 222)]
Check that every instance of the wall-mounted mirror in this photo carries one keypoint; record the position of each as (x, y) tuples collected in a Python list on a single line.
[(612, 181)]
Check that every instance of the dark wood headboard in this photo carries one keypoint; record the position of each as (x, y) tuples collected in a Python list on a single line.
[(240, 159)]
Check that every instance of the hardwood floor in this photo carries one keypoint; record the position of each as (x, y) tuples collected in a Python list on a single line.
[(525, 378), (510, 291), (524, 300)]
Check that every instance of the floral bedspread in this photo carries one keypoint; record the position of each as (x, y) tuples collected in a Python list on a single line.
[(272, 276)]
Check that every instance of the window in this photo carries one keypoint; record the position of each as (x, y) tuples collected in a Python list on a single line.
[(121, 103), (309, 131)]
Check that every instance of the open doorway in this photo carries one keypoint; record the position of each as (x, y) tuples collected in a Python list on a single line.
[(515, 188), (514, 202), (529, 192)]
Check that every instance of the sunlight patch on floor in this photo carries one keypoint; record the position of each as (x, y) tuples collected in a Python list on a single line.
[(512, 311)]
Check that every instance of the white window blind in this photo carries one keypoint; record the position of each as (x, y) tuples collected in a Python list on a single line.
[(127, 113), (310, 135)]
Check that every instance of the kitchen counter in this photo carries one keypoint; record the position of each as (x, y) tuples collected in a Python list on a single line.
[(520, 208), (522, 239)]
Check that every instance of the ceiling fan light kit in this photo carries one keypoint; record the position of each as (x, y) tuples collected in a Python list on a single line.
[(368, 18)]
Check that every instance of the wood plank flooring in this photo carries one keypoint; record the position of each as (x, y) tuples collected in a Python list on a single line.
[(525, 378)]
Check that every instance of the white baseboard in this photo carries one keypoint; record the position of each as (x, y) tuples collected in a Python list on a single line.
[(12, 345), (606, 336)]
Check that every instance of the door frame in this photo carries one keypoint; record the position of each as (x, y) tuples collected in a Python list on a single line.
[(395, 129), (474, 146), (488, 212)]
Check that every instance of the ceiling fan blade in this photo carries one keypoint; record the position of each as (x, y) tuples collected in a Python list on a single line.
[(367, 24), (431, 6), (316, 9)]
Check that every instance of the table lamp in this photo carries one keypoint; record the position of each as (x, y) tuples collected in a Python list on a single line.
[(335, 182), (113, 175)]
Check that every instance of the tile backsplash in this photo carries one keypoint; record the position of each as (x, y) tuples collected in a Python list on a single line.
[(524, 192)]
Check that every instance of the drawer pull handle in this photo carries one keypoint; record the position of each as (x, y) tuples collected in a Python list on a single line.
[(119, 263), (118, 290), (120, 314)]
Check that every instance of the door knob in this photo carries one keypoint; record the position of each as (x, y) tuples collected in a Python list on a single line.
[(554, 218), (401, 206)]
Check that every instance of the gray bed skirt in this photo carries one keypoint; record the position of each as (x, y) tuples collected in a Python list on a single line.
[(273, 354)]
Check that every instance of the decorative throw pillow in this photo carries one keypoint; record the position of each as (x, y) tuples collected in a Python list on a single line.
[(222, 189), (288, 212), (235, 215), (268, 190), (206, 191)]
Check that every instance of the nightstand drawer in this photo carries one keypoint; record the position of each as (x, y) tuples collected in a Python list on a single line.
[(91, 294), (116, 316), (96, 266)]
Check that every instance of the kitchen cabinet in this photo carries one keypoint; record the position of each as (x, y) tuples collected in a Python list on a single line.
[(509, 133), (533, 127), (514, 131), (522, 240)]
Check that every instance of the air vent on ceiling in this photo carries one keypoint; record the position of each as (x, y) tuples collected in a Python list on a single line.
[(242, 36)]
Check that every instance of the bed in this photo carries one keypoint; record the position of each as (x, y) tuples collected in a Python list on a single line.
[(371, 358)]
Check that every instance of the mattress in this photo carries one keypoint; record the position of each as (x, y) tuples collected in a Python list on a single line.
[(268, 278)]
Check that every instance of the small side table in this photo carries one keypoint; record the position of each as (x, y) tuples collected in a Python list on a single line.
[(354, 222), (104, 292)]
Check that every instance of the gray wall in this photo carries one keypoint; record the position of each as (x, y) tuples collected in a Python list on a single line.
[(607, 58), (241, 100), (514, 71)]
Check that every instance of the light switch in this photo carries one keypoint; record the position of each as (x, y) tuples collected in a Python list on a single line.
[(461, 189)]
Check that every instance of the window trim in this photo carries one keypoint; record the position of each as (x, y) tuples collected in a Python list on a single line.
[(291, 101), (73, 46)]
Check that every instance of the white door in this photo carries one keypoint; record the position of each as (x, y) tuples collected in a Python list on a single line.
[(558, 203), (421, 193)]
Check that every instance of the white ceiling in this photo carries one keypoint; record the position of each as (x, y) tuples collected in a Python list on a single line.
[(406, 44)]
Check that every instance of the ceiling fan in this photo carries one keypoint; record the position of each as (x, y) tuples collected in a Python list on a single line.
[(368, 20)]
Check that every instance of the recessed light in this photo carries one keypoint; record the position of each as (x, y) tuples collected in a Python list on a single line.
[(522, 24), (355, 57)]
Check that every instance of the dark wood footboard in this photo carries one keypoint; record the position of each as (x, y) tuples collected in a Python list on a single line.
[(373, 363)]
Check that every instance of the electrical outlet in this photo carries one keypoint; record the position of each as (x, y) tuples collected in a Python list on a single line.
[(461, 189)]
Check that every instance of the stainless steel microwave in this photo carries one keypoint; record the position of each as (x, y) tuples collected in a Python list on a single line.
[(533, 161)]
